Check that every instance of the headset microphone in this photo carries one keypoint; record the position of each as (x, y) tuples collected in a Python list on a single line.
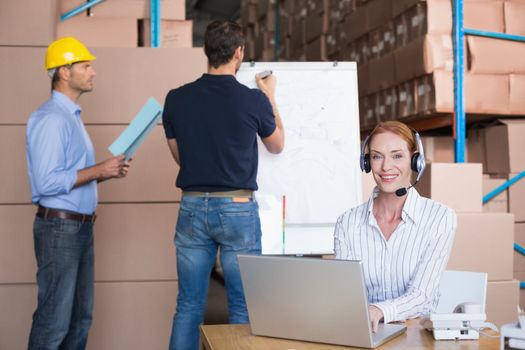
[(403, 190)]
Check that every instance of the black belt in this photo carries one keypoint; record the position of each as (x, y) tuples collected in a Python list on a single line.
[(45, 213)]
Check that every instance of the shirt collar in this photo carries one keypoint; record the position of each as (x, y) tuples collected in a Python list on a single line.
[(67, 103), (410, 208)]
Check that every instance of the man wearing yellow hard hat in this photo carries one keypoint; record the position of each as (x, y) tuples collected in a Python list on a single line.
[(63, 176)]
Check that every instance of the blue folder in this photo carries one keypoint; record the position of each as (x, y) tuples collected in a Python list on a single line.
[(140, 127)]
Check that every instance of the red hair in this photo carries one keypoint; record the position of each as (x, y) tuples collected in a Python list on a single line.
[(397, 128)]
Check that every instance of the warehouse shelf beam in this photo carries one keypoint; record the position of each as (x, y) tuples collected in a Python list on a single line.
[(80, 9), (494, 35), (155, 23), (459, 122), (503, 187)]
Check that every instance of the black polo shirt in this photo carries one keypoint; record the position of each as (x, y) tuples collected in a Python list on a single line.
[(215, 121)]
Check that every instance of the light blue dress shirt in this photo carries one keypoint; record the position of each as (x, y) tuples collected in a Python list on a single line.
[(57, 146)]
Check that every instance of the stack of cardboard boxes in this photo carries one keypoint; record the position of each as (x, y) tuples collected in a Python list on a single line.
[(125, 23), (135, 272), (502, 159), (404, 52), (258, 20)]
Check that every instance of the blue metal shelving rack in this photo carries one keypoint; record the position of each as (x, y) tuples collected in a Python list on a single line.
[(458, 33), (155, 17)]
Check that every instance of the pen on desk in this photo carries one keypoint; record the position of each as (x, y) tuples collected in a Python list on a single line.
[(264, 74)]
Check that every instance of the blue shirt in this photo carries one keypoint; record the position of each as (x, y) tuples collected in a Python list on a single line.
[(57, 146), (215, 121)]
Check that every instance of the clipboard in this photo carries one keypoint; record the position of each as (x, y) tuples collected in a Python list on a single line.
[(140, 127)]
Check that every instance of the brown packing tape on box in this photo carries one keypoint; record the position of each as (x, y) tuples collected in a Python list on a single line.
[(115, 321), (489, 56), (484, 15), (502, 299), (514, 13), (435, 184), (133, 242), (170, 9), (484, 242), (101, 31), (173, 34), (28, 22)]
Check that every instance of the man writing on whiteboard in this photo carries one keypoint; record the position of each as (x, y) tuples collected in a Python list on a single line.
[(212, 125)]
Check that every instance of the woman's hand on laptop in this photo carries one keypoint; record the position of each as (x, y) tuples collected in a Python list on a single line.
[(376, 315)]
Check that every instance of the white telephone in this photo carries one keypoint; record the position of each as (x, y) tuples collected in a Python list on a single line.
[(464, 323)]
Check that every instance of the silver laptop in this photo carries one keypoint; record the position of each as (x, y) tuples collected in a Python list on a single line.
[(310, 299)]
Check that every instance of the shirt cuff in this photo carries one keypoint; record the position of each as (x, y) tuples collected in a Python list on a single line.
[(70, 180), (389, 310)]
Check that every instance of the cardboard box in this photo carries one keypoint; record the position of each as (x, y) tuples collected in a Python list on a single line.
[(15, 189), (484, 93), (152, 174), (517, 91), (379, 12), (476, 146), (423, 56), (316, 50), (489, 56), (101, 31), (384, 75), (133, 242), (500, 203), (315, 26), (484, 242), (438, 149), (463, 194), (519, 238), (502, 299), (174, 34), (505, 144), (297, 36), (122, 86), (484, 15), (17, 255), (130, 315), (514, 12), (170, 9), (248, 14), (434, 93), (517, 199), (406, 100), (32, 87), (432, 17), (355, 24), (28, 22), (17, 304)]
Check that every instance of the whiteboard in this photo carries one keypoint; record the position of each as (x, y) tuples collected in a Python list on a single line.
[(318, 170)]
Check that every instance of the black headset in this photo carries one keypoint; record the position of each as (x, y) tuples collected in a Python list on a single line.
[(417, 162)]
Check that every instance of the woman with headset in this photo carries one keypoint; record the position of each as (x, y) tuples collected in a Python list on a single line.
[(403, 239)]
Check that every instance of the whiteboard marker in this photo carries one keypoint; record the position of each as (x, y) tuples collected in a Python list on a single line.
[(264, 74)]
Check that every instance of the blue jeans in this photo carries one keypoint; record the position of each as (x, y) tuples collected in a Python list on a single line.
[(65, 277), (204, 225)]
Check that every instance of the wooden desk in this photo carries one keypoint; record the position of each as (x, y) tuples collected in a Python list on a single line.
[(238, 337)]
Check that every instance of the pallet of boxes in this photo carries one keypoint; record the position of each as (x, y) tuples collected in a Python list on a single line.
[(135, 272)]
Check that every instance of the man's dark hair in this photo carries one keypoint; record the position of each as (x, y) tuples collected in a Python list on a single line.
[(221, 39)]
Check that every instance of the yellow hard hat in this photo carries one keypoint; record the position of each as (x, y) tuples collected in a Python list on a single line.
[(66, 51)]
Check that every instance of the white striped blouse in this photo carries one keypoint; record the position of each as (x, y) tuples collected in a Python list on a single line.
[(402, 274)]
